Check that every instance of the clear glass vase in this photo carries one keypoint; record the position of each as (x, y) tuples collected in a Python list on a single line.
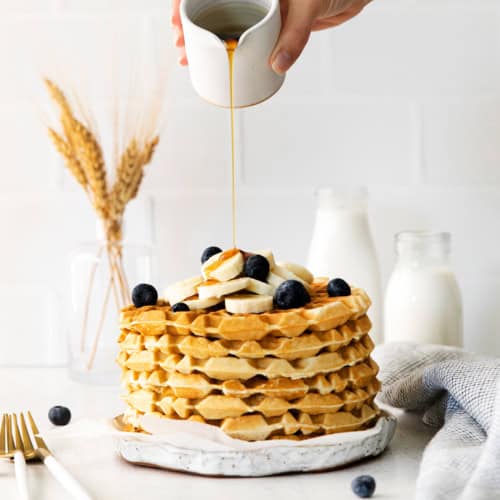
[(101, 276)]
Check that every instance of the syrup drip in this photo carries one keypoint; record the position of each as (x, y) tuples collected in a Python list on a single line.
[(222, 258)]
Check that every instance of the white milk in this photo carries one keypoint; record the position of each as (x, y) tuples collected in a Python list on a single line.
[(342, 247), (423, 302)]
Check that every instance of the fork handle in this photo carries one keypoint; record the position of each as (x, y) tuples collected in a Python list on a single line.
[(21, 476), (66, 479)]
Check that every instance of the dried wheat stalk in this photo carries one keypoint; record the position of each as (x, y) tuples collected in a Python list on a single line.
[(147, 155), (83, 157), (125, 172), (58, 97), (66, 151), (89, 152)]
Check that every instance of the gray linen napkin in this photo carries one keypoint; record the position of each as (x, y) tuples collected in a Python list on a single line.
[(458, 392)]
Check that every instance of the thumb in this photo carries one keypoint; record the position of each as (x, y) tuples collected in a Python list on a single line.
[(294, 35)]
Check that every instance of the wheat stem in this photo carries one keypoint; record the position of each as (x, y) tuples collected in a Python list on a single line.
[(122, 276), (97, 337), (86, 307), (112, 270)]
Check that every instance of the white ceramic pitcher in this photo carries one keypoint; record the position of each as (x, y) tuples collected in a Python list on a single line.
[(254, 80)]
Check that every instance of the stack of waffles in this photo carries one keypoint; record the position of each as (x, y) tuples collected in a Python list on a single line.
[(281, 374)]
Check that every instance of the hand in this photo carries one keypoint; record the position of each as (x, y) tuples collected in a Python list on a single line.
[(300, 18)]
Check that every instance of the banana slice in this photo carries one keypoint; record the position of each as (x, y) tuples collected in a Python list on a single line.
[(299, 270), (249, 304), (224, 266), (182, 289), (268, 255), (284, 273), (259, 287), (197, 304), (274, 280), (218, 290), (210, 263)]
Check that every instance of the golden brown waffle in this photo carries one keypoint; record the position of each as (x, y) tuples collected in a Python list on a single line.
[(307, 345), (291, 374), (322, 314), (196, 386), (218, 407), (258, 428), (228, 368)]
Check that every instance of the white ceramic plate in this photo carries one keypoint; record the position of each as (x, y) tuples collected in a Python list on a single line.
[(347, 448)]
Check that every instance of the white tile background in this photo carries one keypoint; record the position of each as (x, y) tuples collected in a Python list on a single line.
[(404, 99)]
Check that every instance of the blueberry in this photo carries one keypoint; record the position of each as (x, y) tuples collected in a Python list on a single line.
[(209, 252), (257, 267), (144, 295), (59, 415), (363, 486), (338, 288), (291, 294), (180, 307)]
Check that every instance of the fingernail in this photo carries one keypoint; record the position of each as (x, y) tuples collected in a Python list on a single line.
[(282, 62)]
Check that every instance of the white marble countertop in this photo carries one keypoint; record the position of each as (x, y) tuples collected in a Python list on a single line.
[(95, 463)]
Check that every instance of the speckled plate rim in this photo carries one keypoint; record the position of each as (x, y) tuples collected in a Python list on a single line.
[(350, 447)]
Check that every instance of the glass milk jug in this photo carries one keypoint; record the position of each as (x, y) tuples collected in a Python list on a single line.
[(342, 246), (423, 302)]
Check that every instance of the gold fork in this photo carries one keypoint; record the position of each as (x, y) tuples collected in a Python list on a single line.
[(11, 446), (43, 453)]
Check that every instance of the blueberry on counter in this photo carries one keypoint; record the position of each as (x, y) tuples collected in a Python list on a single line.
[(291, 294), (363, 486), (59, 415), (180, 307), (144, 295), (209, 252), (257, 267), (338, 288)]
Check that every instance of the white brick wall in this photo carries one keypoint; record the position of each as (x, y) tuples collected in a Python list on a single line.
[(404, 99)]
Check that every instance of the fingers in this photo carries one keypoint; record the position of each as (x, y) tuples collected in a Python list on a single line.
[(183, 61), (294, 34), (180, 44), (178, 32), (176, 14), (330, 21)]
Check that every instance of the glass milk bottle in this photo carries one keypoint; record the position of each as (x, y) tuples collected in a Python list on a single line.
[(342, 246), (423, 302)]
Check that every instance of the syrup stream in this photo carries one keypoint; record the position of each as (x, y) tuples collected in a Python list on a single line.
[(231, 47)]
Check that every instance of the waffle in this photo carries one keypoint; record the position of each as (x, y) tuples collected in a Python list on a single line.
[(216, 407), (307, 345), (197, 386), (258, 428), (230, 367), (322, 314), (291, 374)]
